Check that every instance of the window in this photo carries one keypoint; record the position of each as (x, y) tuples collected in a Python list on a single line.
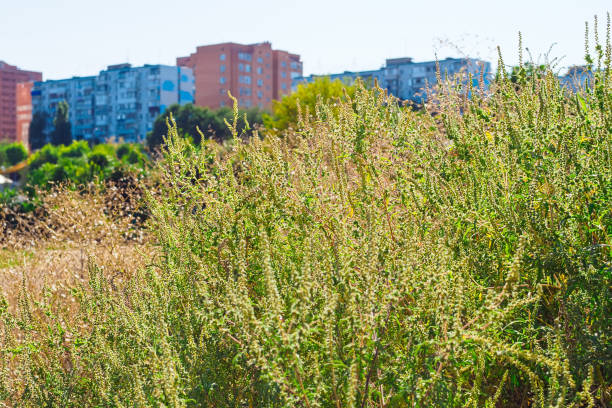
[(259, 70), (244, 56), (284, 64), (222, 57), (294, 75), (260, 82), (222, 91), (240, 67), (222, 80), (283, 74), (284, 86), (260, 60), (244, 79), (259, 94), (222, 103), (294, 65), (245, 91), (247, 68), (222, 68)]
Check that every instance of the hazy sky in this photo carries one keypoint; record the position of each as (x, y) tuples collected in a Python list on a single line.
[(63, 38)]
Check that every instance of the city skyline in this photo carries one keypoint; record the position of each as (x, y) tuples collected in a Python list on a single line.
[(60, 39)]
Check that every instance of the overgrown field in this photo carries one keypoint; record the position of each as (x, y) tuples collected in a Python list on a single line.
[(374, 256)]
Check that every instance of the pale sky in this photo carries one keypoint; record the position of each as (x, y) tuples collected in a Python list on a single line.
[(65, 38)]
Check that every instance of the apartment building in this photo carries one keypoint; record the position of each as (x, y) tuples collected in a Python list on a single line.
[(255, 73), (78, 92), (577, 77), (129, 99), (348, 77), (120, 102), (24, 111), (10, 76), (407, 80)]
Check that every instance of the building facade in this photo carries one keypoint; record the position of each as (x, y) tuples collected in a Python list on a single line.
[(121, 102), (78, 92), (408, 80), (348, 77), (24, 111), (10, 76), (255, 74), (577, 77)]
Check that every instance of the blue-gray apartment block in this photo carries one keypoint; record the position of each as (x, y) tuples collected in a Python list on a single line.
[(577, 77), (407, 80), (121, 102)]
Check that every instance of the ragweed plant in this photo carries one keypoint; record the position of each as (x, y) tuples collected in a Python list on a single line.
[(375, 257)]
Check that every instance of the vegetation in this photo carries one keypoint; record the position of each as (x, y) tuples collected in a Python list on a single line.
[(302, 103), (37, 136), (11, 154), (373, 256), (62, 130), (78, 163), (211, 123)]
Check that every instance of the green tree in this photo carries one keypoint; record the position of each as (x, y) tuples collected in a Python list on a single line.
[(37, 136), (285, 111), (62, 133), (211, 123)]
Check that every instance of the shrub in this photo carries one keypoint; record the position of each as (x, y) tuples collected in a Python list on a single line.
[(99, 159), (15, 153), (123, 150), (12, 153), (77, 163), (74, 150), (47, 154), (131, 154)]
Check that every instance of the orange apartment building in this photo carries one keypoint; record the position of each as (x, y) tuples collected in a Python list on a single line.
[(10, 76), (24, 111), (255, 73)]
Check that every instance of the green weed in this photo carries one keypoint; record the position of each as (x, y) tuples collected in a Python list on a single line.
[(375, 257)]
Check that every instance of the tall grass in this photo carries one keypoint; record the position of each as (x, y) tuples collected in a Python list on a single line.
[(377, 257)]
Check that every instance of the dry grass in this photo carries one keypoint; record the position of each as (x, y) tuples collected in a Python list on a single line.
[(51, 247), (60, 269)]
